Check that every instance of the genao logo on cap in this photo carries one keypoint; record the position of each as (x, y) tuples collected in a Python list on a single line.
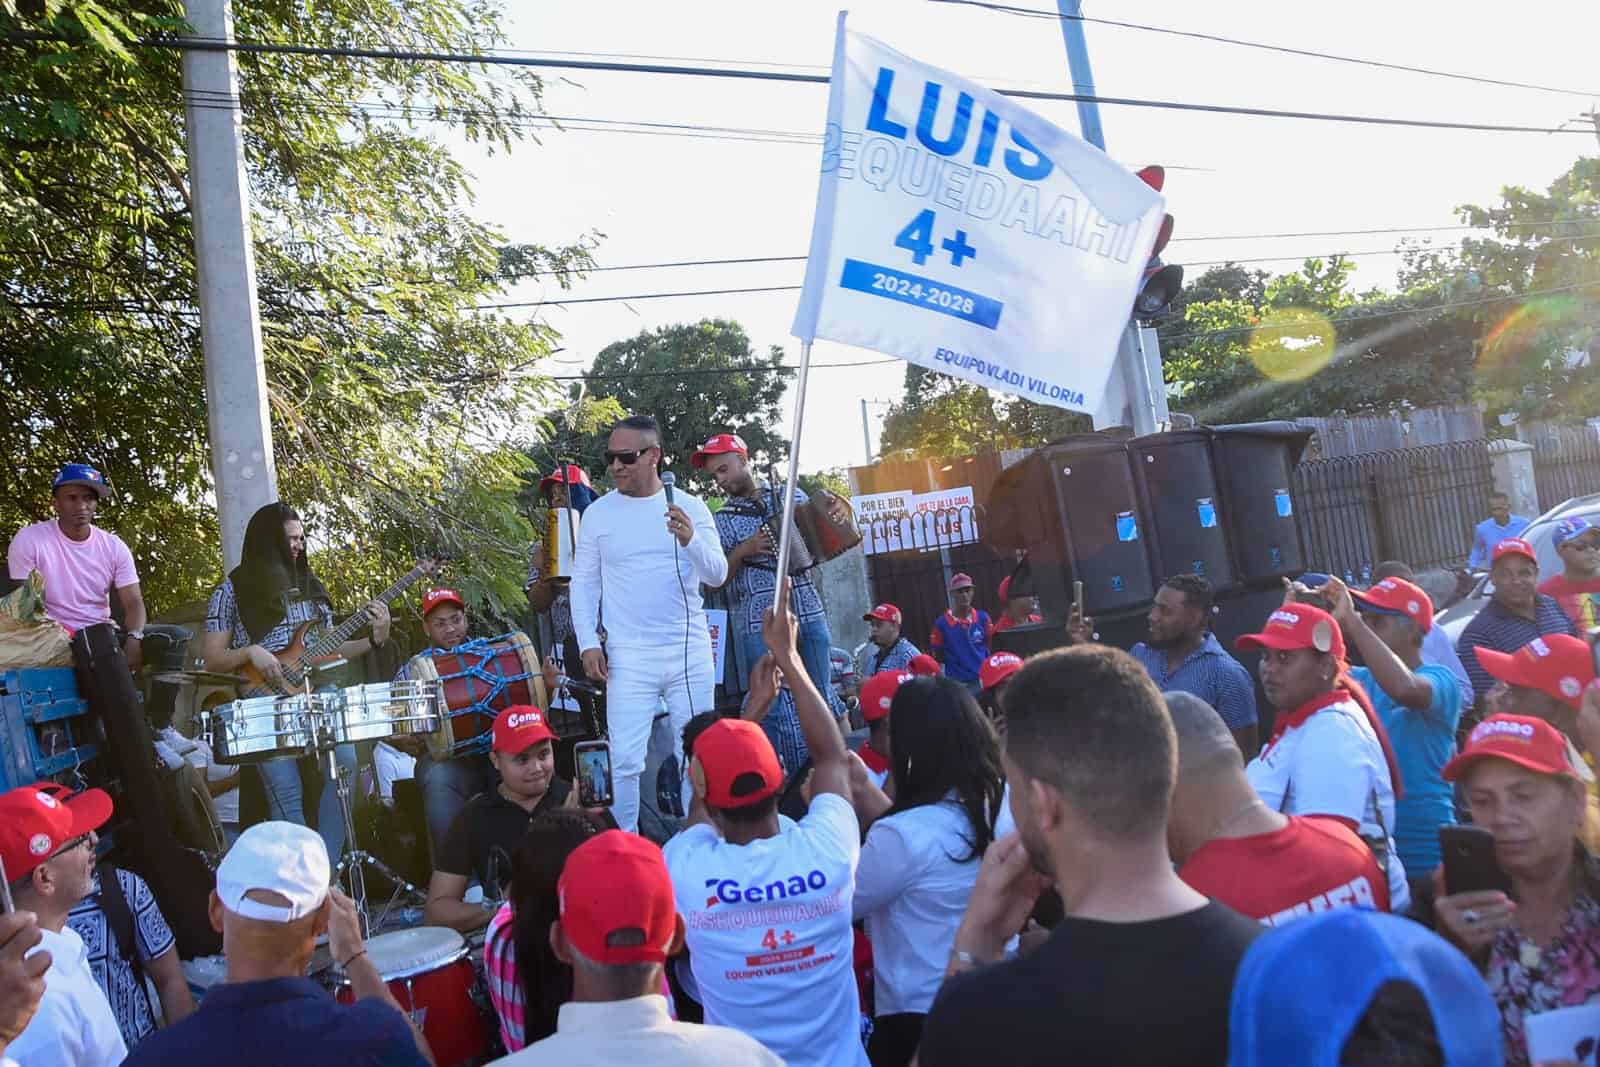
[(730, 891), (1539, 647), (1500, 728), (518, 719), (1283, 617)]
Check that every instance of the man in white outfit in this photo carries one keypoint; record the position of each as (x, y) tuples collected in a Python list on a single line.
[(658, 647)]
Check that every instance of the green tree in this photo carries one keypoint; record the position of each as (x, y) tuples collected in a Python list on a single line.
[(696, 379), (938, 416), (396, 403)]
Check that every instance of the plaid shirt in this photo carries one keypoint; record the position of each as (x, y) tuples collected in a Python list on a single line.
[(898, 658), (1210, 674), (560, 604), (754, 586), (1505, 631)]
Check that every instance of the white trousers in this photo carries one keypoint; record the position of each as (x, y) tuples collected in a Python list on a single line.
[(641, 681)]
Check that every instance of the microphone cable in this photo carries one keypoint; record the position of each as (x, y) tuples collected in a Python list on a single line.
[(668, 481)]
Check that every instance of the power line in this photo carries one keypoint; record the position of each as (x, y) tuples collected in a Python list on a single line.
[(1057, 16), (745, 73)]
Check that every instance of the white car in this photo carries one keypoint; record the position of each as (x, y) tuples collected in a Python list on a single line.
[(1541, 535)]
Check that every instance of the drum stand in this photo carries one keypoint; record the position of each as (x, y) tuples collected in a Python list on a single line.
[(354, 859)]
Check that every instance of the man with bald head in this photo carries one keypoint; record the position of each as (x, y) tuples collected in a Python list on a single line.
[(1236, 850), (271, 903)]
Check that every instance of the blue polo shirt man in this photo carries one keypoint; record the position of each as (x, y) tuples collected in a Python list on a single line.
[(960, 638), (1183, 655), (1500, 525)]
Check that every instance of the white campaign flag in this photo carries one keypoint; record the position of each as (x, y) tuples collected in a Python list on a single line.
[(960, 231)]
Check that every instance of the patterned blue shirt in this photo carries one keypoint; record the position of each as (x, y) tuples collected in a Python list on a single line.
[(1505, 631), (782, 727), (897, 658), (1210, 674), (753, 587), (112, 971)]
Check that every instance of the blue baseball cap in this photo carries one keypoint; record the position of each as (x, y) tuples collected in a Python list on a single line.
[(1302, 988), (82, 474), (1567, 529)]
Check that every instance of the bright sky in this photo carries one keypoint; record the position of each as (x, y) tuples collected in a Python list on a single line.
[(664, 198)]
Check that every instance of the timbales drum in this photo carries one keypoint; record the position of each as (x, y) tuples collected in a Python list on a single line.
[(477, 681), (257, 729), (387, 709)]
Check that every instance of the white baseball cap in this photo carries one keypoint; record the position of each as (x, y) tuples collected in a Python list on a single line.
[(275, 857)]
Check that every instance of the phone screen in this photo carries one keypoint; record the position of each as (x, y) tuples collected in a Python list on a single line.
[(1470, 865), (593, 766)]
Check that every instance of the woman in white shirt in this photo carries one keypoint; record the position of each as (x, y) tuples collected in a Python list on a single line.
[(921, 856)]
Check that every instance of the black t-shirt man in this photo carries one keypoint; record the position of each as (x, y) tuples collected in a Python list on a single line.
[(1149, 993), (490, 826)]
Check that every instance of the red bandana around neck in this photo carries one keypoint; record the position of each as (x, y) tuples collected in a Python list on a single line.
[(873, 759), (1339, 695)]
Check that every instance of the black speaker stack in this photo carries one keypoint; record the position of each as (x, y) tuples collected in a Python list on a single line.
[(1123, 514)]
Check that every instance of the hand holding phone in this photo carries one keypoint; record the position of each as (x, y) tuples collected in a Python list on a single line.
[(592, 761), (1470, 865)]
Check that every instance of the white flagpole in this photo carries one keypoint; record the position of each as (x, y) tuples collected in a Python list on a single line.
[(794, 463)]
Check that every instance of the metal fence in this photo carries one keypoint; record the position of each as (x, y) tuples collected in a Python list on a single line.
[(918, 583), (1413, 504), (924, 531), (1566, 462)]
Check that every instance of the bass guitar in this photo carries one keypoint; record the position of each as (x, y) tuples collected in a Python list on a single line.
[(298, 658)]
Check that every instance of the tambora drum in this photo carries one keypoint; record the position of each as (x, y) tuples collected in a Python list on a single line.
[(388, 709), (476, 681), (427, 970), (257, 729)]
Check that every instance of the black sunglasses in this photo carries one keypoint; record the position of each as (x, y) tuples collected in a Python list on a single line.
[(627, 457), (76, 842)]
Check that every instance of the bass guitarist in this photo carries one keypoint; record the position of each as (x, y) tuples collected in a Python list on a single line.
[(255, 613)]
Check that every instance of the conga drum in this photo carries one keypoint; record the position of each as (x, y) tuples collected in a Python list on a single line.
[(477, 680)]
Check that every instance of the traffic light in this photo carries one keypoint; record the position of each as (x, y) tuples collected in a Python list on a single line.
[(1162, 282)]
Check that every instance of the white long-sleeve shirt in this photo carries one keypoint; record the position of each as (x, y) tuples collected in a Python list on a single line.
[(626, 560)]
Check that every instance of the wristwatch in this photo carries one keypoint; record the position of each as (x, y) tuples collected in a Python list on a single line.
[(137, 635)]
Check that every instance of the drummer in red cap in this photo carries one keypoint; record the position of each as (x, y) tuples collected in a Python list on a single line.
[(1328, 754), (747, 524), (448, 784), (480, 840)]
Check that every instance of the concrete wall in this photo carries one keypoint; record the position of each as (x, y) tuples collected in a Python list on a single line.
[(1512, 462), (842, 583)]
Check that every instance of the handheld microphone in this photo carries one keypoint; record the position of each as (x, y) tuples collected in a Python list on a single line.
[(668, 480)]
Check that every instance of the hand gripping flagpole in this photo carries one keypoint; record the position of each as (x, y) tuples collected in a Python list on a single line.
[(785, 530)]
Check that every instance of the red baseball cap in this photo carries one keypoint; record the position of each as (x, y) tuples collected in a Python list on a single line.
[(883, 613), (36, 820), (877, 693), (961, 581), (997, 668), (924, 666), (1296, 626), (716, 445), (1396, 596), (570, 473), (434, 597), (616, 883), (728, 750), (1513, 546), (1557, 664), (519, 727), (1527, 742)]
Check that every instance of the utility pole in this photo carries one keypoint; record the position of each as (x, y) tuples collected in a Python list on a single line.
[(1594, 118), (1138, 364), (242, 466)]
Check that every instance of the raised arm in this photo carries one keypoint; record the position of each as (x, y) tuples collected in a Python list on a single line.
[(830, 758)]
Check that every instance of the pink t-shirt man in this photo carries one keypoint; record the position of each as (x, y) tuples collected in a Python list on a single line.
[(78, 575)]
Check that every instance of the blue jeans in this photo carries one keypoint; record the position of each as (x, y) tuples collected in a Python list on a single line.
[(281, 777), (815, 644), (447, 786)]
